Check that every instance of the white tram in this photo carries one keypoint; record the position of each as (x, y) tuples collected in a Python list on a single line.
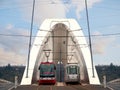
[(72, 73)]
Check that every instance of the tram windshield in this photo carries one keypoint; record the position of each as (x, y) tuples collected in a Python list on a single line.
[(72, 70), (47, 70)]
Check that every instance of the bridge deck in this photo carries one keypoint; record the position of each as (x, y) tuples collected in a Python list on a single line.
[(68, 87)]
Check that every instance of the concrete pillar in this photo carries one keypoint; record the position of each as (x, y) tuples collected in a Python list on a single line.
[(16, 81), (104, 81)]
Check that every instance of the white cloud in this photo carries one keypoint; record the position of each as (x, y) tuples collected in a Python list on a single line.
[(43, 9), (9, 26), (52, 9), (11, 57), (80, 5), (116, 46), (101, 43), (13, 49)]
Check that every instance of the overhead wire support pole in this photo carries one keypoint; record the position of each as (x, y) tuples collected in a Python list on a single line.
[(89, 37), (30, 37)]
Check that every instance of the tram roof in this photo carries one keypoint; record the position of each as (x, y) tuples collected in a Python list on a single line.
[(47, 63)]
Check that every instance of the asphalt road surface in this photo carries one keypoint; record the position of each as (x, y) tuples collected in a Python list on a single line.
[(6, 86), (115, 85), (69, 87)]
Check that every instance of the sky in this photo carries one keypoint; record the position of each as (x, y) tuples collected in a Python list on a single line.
[(15, 21)]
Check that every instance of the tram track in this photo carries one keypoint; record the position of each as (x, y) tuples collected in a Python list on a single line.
[(77, 87), (55, 87), (74, 85), (45, 87)]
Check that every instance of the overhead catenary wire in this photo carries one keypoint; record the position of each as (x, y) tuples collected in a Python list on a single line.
[(27, 36)]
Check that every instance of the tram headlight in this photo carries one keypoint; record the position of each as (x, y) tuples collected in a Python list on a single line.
[(52, 78), (77, 76), (41, 78)]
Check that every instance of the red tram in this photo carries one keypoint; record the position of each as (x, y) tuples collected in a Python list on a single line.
[(47, 73)]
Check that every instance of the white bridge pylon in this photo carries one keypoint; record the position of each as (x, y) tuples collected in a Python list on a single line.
[(63, 36)]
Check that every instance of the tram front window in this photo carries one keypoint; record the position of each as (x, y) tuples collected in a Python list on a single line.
[(47, 70), (72, 70)]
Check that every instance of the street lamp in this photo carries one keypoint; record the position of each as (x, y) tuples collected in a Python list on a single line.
[(47, 53), (33, 7), (89, 33)]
